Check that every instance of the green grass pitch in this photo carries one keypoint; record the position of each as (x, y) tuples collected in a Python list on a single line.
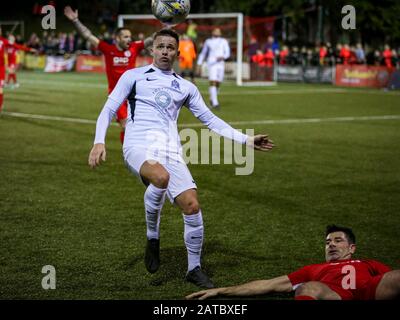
[(90, 225)]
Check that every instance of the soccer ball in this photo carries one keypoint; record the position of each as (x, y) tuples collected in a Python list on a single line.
[(170, 12)]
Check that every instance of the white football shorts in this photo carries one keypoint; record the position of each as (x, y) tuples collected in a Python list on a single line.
[(180, 178), (216, 72)]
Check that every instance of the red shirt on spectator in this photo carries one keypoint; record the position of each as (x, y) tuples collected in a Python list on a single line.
[(269, 58), (282, 56), (345, 54), (387, 55)]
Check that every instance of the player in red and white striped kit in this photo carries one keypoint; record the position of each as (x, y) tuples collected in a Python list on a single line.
[(119, 57)]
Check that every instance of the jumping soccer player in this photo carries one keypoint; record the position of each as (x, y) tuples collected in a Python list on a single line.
[(215, 51), (341, 277), (152, 148), (118, 57)]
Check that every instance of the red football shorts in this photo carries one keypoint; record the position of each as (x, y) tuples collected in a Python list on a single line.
[(367, 292), (122, 112), (2, 76)]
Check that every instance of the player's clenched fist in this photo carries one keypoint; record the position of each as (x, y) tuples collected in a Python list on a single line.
[(97, 153)]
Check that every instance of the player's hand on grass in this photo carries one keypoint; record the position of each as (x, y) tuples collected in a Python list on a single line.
[(260, 142), (70, 14), (97, 153), (204, 294)]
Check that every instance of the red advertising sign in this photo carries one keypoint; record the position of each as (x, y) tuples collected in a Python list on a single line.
[(87, 63), (362, 76)]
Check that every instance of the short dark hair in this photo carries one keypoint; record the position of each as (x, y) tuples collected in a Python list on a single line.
[(167, 32), (118, 31), (351, 238)]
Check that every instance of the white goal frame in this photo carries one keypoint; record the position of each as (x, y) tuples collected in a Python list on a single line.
[(239, 34)]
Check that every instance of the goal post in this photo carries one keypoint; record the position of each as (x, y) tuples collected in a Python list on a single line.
[(147, 24), (239, 30)]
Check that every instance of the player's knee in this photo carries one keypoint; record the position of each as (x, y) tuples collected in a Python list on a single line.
[(394, 277), (161, 180), (311, 288), (192, 206)]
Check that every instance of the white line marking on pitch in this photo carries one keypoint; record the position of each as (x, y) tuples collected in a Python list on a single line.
[(193, 125)]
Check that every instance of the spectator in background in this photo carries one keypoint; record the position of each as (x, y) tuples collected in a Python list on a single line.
[(253, 47), (269, 57), (271, 44), (338, 58), (387, 56), (360, 54), (377, 58), (294, 57), (345, 54), (283, 54), (395, 59), (323, 52)]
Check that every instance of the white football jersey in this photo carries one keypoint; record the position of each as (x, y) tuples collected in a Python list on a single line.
[(214, 48), (155, 98)]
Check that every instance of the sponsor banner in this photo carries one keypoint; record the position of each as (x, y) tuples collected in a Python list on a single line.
[(59, 64), (362, 76), (290, 73), (88, 63), (305, 74), (34, 62)]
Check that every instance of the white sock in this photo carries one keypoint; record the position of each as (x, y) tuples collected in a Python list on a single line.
[(213, 95), (153, 202), (194, 232)]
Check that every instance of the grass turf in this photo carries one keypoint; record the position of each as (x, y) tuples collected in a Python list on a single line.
[(90, 224)]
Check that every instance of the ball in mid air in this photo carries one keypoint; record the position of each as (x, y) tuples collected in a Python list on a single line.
[(170, 12)]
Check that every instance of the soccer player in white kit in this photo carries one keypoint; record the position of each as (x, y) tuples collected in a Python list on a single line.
[(152, 149), (215, 51)]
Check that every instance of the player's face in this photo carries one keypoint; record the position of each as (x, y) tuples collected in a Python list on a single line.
[(124, 39), (165, 51), (337, 247)]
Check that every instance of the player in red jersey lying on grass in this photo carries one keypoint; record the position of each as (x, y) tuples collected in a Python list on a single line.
[(341, 277)]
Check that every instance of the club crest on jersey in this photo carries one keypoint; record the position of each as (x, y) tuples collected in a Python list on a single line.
[(163, 99), (175, 84), (127, 53)]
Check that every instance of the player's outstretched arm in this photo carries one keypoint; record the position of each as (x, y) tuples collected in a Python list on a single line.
[(82, 29), (260, 142), (97, 153), (276, 285)]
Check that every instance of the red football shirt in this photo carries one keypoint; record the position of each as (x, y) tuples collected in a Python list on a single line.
[(337, 272), (11, 55), (118, 61), (3, 44)]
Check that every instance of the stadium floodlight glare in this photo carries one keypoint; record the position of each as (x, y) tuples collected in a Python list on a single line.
[(235, 19)]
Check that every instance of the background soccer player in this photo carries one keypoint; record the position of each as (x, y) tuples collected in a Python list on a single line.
[(340, 278), (119, 57), (152, 149), (215, 51), (4, 43)]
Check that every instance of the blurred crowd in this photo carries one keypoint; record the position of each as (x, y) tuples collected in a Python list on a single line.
[(262, 54), (321, 55)]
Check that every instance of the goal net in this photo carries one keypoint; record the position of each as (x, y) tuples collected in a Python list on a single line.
[(199, 27)]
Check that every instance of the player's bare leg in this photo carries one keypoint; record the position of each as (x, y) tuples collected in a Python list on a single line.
[(317, 291), (389, 286), (193, 236), (157, 178)]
